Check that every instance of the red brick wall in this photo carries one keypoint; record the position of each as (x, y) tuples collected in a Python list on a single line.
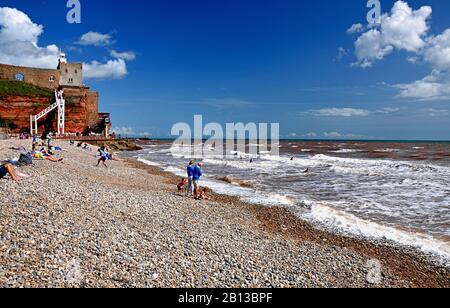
[(35, 76)]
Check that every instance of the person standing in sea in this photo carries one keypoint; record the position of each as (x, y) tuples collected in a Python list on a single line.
[(190, 174), (198, 172)]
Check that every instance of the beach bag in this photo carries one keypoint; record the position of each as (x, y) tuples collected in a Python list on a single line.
[(26, 159)]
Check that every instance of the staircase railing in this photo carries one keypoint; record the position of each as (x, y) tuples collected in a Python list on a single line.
[(60, 104)]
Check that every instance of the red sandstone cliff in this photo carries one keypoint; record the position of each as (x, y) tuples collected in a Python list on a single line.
[(17, 110)]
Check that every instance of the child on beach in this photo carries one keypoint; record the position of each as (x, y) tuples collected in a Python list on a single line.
[(182, 186), (203, 195)]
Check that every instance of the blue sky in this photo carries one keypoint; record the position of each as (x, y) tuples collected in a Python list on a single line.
[(292, 62)]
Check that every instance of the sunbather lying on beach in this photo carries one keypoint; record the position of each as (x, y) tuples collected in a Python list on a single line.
[(8, 169), (44, 155)]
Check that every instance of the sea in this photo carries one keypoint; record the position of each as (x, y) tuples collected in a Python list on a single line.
[(396, 191)]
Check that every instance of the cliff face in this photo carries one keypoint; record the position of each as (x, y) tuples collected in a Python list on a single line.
[(17, 110)]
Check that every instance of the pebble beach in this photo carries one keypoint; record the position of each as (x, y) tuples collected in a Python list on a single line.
[(73, 224)]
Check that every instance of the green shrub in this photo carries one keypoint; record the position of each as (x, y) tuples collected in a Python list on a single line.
[(22, 89)]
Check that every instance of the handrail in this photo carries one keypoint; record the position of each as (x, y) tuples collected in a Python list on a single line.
[(60, 104)]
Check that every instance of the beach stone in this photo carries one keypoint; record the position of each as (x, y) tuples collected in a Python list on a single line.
[(73, 224)]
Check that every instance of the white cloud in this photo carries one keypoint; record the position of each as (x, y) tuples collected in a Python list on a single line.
[(401, 29), (128, 55), (336, 135), (95, 39), (438, 51), (19, 38), (124, 131), (388, 110), (308, 135), (407, 29), (356, 28), (370, 47), (113, 69), (413, 59), (437, 112), (349, 112), (339, 112), (342, 53), (433, 87), (129, 131)]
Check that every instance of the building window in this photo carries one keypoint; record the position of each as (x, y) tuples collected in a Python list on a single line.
[(76, 71), (70, 80), (52, 79), (19, 77), (67, 71)]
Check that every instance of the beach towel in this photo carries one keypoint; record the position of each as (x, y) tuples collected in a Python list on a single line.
[(38, 156)]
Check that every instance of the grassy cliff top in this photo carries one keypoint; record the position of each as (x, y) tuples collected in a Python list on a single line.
[(22, 89)]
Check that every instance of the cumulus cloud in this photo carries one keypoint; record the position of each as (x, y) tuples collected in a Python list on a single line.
[(19, 45), (401, 29), (433, 87), (127, 55), (19, 38), (95, 39), (407, 29), (113, 69), (438, 51)]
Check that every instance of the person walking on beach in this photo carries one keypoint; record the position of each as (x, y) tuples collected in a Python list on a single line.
[(190, 174), (198, 172), (103, 156), (49, 138), (44, 138), (35, 141)]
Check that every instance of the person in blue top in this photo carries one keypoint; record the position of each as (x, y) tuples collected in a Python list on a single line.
[(190, 173), (198, 172)]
